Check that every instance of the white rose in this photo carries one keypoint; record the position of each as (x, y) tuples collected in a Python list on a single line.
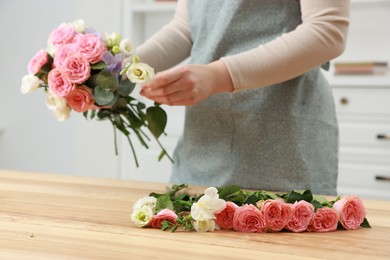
[(142, 216), (126, 47), (139, 72), (30, 83), (58, 106), (146, 201), (79, 25), (208, 205), (204, 225)]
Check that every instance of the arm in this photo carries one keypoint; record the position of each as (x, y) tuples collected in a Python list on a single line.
[(171, 45), (320, 38)]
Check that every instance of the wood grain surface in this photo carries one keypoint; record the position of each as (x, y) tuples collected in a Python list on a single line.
[(50, 216)]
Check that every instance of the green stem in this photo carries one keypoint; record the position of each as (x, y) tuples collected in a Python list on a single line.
[(132, 149), (115, 139), (165, 151)]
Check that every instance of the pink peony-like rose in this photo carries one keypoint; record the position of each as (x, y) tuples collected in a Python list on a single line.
[(224, 219), (301, 215), (76, 69), (57, 84), (80, 99), (324, 220), (90, 47), (62, 35), (36, 63), (351, 211), (165, 214), (62, 53), (276, 214), (248, 218)]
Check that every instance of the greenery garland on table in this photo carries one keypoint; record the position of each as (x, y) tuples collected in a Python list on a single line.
[(231, 207)]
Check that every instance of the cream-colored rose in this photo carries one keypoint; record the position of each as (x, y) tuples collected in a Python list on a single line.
[(204, 225), (126, 47), (58, 106), (142, 216), (30, 83), (146, 201), (139, 72), (79, 25)]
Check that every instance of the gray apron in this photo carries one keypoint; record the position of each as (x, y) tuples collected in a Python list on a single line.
[(277, 138)]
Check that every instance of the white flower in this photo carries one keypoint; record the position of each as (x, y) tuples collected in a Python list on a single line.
[(146, 201), (142, 216), (30, 83), (207, 205), (58, 106), (112, 39), (51, 49), (139, 72), (126, 47), (204, 225), (79, 25)]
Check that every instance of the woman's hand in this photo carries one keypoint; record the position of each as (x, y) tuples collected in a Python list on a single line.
[(188, 84)]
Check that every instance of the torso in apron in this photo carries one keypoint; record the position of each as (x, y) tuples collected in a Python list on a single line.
[(279, 137)]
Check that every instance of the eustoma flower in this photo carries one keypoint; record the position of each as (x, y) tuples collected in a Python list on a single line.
[(351, 211), (139, 72), (143, 211), (203, 212), (163, 215)]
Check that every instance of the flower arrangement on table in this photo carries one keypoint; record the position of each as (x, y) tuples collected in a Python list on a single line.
[(233, 208), (92, 73)]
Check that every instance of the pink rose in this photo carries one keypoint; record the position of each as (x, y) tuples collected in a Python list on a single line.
[(276, 214), (351, 211), (248, 218), (224, 219), (57, 84), (165, 214), (324, 220), (62, 53), (90, 47), (62, 35), (301, 215), (36, 63), (76, 69), (80, 99)]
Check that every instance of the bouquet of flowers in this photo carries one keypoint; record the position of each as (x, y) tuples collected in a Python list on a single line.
[(235, 209), (93, 73)]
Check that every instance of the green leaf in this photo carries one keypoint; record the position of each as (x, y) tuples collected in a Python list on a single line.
[(98, 66), (164, 202), (157, 120), (252, 199), (224, 192), (365, 223), (125, 87), (294, 196), (103, 96), (107, 81), (103, 114), (162, 154), (317, 204)]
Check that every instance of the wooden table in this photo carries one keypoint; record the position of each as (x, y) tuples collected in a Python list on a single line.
[(49, 216)]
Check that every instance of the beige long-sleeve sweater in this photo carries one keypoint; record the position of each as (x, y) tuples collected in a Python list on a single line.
[(320, 38)]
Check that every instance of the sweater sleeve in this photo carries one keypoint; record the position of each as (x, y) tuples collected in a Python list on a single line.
[(170, 45), (319, 38)]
